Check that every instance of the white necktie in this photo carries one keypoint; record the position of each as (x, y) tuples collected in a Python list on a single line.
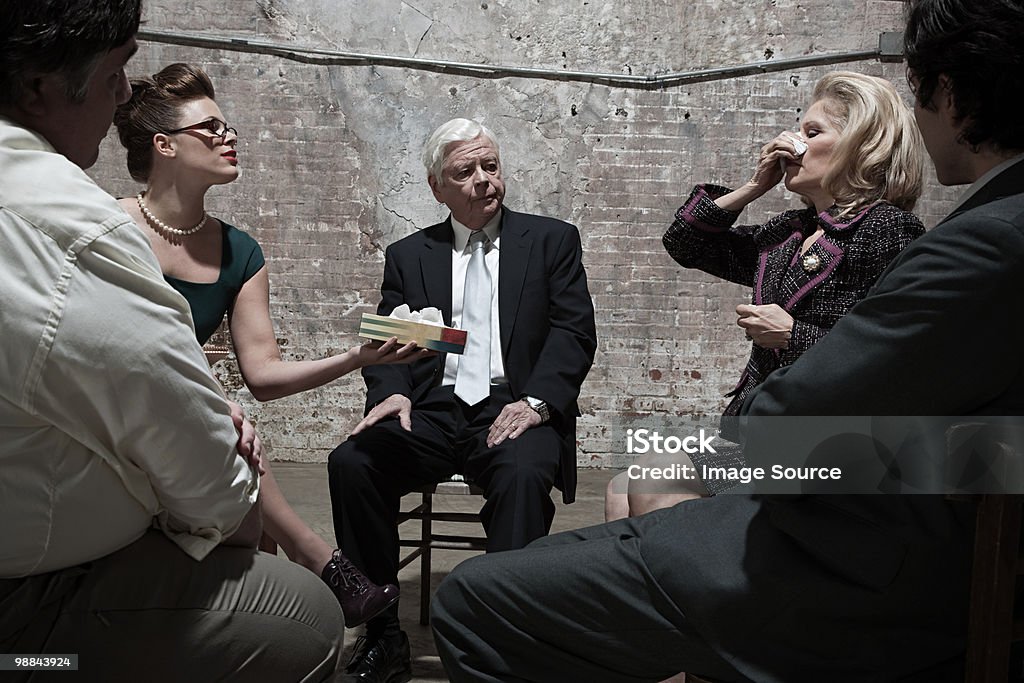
[(473, 381)]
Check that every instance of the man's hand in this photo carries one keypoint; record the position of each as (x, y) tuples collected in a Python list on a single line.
[(514, 419), (768, 326), (395, 404), (249, 445)]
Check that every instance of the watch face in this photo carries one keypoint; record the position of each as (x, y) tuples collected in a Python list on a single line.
[(540, 406)]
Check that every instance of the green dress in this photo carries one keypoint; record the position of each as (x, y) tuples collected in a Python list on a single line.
[(241, 258)]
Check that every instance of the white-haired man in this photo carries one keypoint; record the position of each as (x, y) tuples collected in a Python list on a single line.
[(504, 412)]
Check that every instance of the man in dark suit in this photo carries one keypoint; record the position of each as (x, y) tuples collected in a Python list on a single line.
[(504, 412), (810, 588)]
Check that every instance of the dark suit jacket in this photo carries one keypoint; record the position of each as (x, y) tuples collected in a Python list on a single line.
[(872, 588), (548, 336)]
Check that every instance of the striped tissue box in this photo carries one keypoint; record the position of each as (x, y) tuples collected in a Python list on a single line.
[(433, 337)]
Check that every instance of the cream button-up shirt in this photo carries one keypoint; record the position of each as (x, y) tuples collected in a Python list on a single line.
[(110, 420)]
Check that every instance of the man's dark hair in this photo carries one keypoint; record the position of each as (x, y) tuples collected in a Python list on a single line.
[(979, 46), (65, 37)]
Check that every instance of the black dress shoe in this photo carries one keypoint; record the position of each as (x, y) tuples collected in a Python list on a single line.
[(360, 598), (380, 661)]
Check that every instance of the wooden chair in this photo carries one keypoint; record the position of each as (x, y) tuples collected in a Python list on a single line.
[(993, 623), (215, 352), (428, 540)]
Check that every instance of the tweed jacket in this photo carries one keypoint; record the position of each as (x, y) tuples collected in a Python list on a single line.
[(816, 288)]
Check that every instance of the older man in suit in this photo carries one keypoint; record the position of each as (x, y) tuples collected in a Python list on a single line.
[(809, 588), (504, 412)]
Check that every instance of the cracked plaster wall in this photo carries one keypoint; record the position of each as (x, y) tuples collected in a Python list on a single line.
[(331, 170)]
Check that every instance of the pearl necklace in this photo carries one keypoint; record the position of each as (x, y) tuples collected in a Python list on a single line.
[(156, 222)]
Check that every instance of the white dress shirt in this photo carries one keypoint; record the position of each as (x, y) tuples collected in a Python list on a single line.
[(460, 263), (109, 416)]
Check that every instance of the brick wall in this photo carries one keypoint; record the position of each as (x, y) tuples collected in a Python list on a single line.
[(331, 172)]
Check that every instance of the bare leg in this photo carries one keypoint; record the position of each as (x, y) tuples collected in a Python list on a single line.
[(645, 495), (302, 545), (616, 502), (360, 599), (642, 503)]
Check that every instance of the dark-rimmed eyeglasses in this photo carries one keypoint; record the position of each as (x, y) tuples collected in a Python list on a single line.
[(215, 127)]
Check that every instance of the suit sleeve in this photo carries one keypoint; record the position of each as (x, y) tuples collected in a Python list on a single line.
[(940, 334), (569, 348), (384, 380)]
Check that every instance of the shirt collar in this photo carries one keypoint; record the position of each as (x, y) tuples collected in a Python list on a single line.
[(983, 180), (462, 233), (16, 135)]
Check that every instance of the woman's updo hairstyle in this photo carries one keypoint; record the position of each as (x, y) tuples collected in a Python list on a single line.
[(154, 108)]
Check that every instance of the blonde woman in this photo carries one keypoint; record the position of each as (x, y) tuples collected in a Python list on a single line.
[(857, 163), (179, 145)]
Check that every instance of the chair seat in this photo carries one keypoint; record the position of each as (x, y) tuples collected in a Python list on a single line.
[(455, 486)]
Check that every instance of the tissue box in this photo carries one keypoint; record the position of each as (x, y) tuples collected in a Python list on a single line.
[(433, 337)]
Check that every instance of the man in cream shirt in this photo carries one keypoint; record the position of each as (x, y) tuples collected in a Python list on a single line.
[(129, 518)]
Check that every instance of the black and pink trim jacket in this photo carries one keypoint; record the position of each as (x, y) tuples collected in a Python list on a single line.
[(816, 288)]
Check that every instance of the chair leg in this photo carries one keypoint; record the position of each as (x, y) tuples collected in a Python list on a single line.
[(267, 544), (991, 616), (426, 538)]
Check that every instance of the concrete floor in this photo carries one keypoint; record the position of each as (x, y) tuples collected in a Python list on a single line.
[(305, 486)]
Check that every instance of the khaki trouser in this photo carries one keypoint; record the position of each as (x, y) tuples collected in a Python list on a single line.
[(151, 613)]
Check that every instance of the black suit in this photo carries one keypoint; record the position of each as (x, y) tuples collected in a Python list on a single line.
[(779, 590), (548, 340)]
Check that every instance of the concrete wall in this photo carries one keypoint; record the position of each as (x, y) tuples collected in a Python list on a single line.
[(332, 175)]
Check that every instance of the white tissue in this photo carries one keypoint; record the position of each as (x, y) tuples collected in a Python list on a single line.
[(799, 147), (428, 315)]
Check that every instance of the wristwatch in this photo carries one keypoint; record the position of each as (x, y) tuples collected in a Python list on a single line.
[(540, 406)]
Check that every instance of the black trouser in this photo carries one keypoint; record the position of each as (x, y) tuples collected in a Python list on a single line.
[(371, 471)]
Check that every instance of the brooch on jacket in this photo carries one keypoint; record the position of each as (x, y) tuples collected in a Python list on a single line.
[(811, 263)]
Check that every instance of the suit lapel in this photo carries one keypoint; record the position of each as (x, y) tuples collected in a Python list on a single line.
[(513, 258), (436, 268)]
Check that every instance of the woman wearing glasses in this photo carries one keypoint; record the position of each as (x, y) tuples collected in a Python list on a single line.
[(179, 146)]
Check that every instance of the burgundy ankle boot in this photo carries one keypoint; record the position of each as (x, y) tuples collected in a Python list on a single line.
[(360, 598)]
